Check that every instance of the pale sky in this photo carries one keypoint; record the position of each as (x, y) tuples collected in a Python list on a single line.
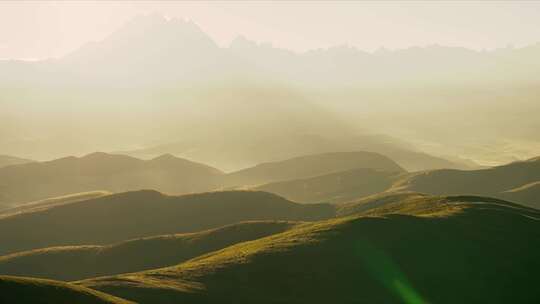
[(41, 29)]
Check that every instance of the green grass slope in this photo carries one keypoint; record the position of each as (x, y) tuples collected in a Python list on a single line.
[(80, 262), (496, 182), (38, 291), (385, 200), (334, 188), (440, 250), (310, 166), (137, 214), (101, 171)]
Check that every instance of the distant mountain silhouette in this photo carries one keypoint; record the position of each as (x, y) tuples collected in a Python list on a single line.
[(334, 187), (146, 45), (50, 202), (101, 171), (118, 217), (173, 50), (6, 160), (516, 181), (246, 152), (251, 90), (406, 252), (310, 166), (71, 179)]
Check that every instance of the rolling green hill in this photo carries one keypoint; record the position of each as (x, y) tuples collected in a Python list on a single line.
[(334, 187), (80, 262), (101, 171), (386, 200), (38, 291), (433, 250), (310, 166), (118, 217), (507, 182)]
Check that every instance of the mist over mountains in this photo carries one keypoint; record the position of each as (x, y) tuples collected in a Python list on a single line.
[(246, 173), (6, 160), (178, 50), (252, 94)]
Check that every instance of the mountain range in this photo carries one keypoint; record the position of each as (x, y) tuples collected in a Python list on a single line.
[(517, 181), (335, 177), (245, 152), (338, 187), (253, 174), (311, 166), (147, 247), (70, 178), (101, 171), (148, 43), (258, 98)]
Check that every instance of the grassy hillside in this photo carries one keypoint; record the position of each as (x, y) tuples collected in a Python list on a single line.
[(80, 262), (100, 171), (497, 182), (386, 200), (38, 291), (310, 166), (137, 214), (6, 160), (51, 202), (334, 187), (440, 250)]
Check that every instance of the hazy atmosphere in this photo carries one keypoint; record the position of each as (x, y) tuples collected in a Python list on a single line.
[(407, 71), (269, 151), (52, 29)]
